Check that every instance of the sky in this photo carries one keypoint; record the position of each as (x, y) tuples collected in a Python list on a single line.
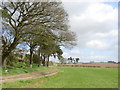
[(95, 23), (96, 26)]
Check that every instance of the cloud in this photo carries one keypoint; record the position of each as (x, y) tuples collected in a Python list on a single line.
[(96, 44), (112, 33), (96, 18), (96, 27)]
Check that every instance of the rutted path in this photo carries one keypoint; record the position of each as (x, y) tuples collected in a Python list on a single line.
[(27, 76)]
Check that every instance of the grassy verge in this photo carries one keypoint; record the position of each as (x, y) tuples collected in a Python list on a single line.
[(13, 71), (72, 77)]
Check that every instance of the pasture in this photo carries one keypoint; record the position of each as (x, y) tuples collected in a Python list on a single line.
[(72, 77)]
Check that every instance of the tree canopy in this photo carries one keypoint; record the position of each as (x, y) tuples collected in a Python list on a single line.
[(40, 24)]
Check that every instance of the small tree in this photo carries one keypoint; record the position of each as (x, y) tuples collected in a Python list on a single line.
[(74, 60), (62, 60), (77, 59), (71, 59)]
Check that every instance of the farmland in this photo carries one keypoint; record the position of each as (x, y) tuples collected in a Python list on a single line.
[(103, 65), (72, 77)]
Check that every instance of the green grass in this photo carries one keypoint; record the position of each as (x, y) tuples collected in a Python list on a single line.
[(0, 71), (72, 77), (13, 71)]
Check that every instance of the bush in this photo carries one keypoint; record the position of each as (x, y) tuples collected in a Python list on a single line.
[(19, 65), (11, 58), (36, 59)]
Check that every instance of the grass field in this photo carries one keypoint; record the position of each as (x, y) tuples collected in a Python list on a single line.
[(13, 71), (72, 77)]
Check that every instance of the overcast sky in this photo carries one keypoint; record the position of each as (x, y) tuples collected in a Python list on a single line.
[(96, 26)]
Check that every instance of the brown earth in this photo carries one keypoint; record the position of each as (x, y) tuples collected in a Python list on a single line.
[(105, 65), (27, 76)]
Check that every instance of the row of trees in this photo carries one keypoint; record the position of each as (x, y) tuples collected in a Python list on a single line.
[(69, 60), (73, 60), (40, 26)]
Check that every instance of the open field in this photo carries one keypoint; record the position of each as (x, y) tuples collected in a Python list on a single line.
[(72, 77), (105, 65)]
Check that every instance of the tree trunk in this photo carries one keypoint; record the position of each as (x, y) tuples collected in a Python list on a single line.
[(39, 64), (31, 56), (4, 57), (6, 52), (43, 60), (4, 63), (48, 62), (40, 58)]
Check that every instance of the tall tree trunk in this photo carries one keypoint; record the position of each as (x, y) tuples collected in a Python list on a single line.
[(6, 52), (4, 57), (4, 63), (40, 58), (48, 61), (43, 60), (31, 57)]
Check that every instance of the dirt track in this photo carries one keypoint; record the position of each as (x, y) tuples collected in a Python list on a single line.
[(27, 76), (105, 65)]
